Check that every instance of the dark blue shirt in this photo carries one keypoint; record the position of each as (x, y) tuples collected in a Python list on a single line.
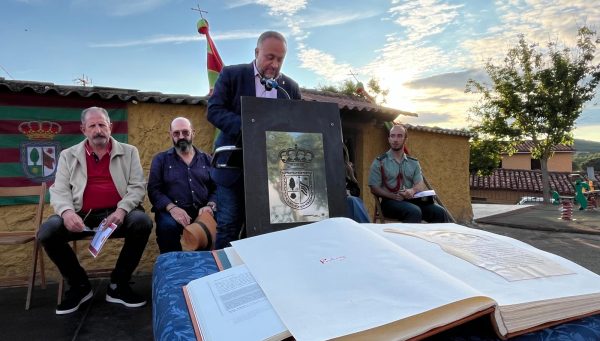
[(173, 181)]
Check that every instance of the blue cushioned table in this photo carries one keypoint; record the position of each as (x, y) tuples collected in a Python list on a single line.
[(171, 319)]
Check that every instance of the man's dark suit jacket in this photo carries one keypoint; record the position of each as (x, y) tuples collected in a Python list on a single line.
[(224, 111)]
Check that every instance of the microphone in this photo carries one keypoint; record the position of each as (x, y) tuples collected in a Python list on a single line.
[(271, 84)]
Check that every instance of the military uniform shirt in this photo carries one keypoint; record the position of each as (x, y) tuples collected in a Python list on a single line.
[(411, 171)]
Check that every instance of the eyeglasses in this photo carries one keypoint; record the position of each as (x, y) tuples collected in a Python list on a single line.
[(184, 133)]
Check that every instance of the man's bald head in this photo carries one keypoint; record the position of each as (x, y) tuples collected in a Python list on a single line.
[(182, 133)]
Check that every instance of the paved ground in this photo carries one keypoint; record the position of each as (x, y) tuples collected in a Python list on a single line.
[(544, 218), (577, 240)]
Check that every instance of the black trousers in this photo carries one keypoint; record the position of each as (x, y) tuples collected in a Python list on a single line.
[(54, 237)]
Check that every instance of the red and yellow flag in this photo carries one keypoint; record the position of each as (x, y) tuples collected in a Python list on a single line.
[(214, 64)]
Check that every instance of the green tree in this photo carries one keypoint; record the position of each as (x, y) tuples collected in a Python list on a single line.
[(537, 94), (373, 91), (484, 155), (592, 161)]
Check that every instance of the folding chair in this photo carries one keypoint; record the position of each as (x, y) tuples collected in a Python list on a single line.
[(378, 213), (20, 237)]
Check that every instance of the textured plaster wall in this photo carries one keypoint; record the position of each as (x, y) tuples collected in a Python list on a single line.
[(559, 162), (148, 130), (445, 162), (444, 159), (517, 161)]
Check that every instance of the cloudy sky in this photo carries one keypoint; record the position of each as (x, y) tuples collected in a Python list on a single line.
[(422, 51)]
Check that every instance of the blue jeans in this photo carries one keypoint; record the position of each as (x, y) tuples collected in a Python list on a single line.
[(409, 212), (168, 231), (230, 214), (357, 210)]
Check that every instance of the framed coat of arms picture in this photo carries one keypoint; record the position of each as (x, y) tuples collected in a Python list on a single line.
[(293, 163)]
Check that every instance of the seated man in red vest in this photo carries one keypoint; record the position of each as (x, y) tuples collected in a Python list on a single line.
[(396, 178), (97, 179)]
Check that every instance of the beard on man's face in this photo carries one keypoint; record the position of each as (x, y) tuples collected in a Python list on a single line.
[(182, 145)]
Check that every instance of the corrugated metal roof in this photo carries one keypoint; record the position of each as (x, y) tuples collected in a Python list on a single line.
[(523, 180)]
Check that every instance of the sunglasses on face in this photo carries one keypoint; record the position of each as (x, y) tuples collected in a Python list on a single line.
[(184, 133)]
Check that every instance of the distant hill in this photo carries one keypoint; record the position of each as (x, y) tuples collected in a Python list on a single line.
[(585, 146)]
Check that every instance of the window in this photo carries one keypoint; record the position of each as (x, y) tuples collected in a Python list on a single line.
[(536, 164)]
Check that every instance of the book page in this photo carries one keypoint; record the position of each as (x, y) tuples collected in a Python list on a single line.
[(505, 259), (580, 281), (229, 305), (333, 278)]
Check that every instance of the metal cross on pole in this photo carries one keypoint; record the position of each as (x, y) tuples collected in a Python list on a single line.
[(353, 75), (199, 10)]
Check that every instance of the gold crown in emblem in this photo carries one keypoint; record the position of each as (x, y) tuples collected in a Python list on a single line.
[(40, 130), (296, 155)]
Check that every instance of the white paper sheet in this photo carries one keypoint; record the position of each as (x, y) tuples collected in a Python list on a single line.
[(580, 282), (229, 305), (334, 278), (505, 259), (422, 194)]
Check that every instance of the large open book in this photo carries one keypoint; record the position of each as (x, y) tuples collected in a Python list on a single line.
[(339, 279)]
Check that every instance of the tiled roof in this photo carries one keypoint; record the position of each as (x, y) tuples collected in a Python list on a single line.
[(528, 145), (105, 93), (344, 102), (352, 103), (458, 132), (523, 180)]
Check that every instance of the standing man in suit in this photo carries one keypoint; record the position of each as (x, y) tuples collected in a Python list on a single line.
[(224, 112)]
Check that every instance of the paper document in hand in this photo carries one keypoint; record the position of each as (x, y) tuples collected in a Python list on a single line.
[(229, 305), (102, 233), (423, 194)]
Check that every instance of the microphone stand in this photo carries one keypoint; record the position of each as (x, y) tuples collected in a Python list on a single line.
[(285, 92)]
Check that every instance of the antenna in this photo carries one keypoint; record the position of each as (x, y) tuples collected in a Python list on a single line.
[(353, 75), (83, 80), (8, 73), (199, 10)]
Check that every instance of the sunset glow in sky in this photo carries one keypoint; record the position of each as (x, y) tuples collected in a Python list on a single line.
[(422, 51)]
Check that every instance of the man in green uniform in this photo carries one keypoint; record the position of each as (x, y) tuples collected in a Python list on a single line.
[(396, 178)]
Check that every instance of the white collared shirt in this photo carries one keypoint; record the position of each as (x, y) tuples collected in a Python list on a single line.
[(260, 88)]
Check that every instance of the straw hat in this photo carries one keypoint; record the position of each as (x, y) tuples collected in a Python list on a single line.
[(201, 234)]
